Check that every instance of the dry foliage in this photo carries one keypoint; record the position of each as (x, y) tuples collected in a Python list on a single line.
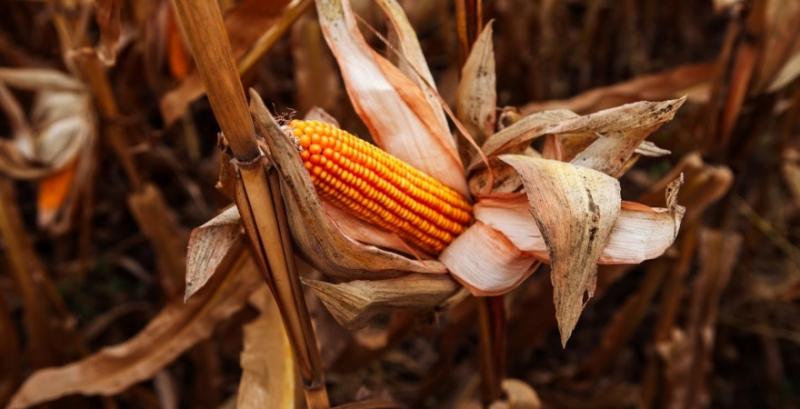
[(633, 170)]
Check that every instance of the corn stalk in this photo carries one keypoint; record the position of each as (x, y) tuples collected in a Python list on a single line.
[(257, 190)]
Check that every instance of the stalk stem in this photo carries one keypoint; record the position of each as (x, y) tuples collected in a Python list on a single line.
[(257, 193), (492, 319)]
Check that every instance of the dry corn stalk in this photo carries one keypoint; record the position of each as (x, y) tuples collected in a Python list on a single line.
[(393, 211)]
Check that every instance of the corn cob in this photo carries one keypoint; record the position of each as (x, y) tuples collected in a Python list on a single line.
[(379, 188)]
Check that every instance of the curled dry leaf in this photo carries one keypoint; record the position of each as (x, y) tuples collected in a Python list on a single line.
[(175, 329), (215, 243), (576, 209), (393, 107), (640, 233), (269, 377), (620, 124), (476, 98), (320, 240), (353, 303)]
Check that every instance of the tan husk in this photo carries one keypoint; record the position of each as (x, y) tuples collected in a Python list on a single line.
[(320, 241), (581, 130), (640, 233), (412, 63), (394, 108), (576, 209), (486, 262), (353, 303)]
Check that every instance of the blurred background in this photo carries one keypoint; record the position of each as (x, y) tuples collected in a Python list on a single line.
[(109, 158)]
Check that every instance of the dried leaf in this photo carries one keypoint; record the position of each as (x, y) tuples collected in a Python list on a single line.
[(175, 329), (245, 23), (107, 14), (476, 99), (269, 376), (413, 63), (787, 74), (640, 233), (392, 106), (692, 80), (514, 137), (519, 395), (322, 243), (576, 209), (486, 262), (217, 242), (355, 302)]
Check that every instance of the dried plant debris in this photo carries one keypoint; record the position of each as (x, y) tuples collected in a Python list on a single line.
[(537, 204)]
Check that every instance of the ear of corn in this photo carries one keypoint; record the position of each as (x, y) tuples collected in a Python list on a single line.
[(379, 188)]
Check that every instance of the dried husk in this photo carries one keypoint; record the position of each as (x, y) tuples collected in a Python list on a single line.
[(640, 233), (353, 303), (576, 209), (394, 108), (321, 242), (486, 262), (216, 242), (412, 62)]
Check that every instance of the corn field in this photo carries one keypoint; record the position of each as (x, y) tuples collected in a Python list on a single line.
[(365, 204)]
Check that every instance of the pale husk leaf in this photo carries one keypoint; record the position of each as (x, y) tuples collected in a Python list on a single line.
[(175, 329), (486, 262), (393, 107), (576, 209), (412, 63), (321, 241), (353, 303), (640, 233), (476, 97), (269, 377)]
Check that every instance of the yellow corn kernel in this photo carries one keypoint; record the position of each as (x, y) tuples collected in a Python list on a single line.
[(379, 188)]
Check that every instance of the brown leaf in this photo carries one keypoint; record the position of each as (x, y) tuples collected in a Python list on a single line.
[(576, 209), (620, 126), (354, 303), (167, 237), (692, 80), (107, 14), (476, 100), (215, 243), (175, 329), (269, 376), (392, 106), (320, 241)]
